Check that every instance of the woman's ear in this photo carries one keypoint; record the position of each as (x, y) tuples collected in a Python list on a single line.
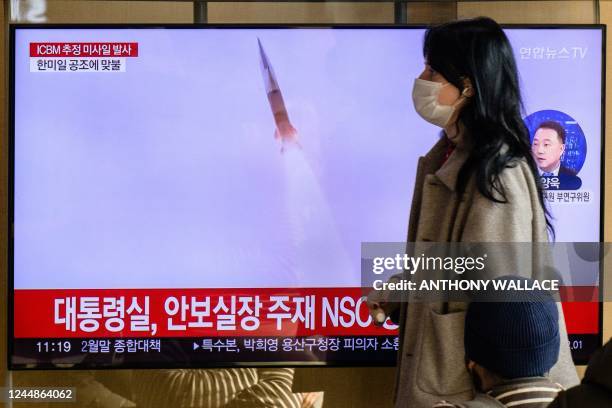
[(468, 90), (470, 365)]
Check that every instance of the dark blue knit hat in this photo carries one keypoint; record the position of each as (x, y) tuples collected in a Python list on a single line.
[(515, 338)]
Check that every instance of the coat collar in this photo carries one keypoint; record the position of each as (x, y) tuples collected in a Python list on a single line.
[(447, 173)]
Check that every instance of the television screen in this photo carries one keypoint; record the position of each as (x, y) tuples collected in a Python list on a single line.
[(188, 196)]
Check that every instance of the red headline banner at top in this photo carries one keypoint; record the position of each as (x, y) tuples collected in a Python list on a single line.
[(84, 49)]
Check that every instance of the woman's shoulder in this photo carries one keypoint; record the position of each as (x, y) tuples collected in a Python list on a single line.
[(519, 177), (517, 182)]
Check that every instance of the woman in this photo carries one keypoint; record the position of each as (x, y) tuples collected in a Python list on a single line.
[(477, 184)]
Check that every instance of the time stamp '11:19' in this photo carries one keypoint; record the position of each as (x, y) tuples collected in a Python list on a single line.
[(53, 346)]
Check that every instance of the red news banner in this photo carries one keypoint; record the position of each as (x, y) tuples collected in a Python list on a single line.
[(92, 313), (70, 57), (191, 312), (84, 49)]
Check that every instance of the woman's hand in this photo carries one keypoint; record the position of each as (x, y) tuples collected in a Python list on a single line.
[(378, 306)]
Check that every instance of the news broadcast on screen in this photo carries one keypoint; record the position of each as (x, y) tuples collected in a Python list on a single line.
[(199, 196)]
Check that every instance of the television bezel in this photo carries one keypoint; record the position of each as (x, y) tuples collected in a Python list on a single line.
[(11, 163)]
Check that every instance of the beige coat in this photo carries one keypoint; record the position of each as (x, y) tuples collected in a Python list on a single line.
[(431, 357)]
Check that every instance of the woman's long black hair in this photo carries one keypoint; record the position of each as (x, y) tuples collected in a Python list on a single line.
[(478, 49)]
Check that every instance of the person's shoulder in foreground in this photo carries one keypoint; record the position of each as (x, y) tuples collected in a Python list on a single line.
[(511, 343), (595, 391), (533, 392)]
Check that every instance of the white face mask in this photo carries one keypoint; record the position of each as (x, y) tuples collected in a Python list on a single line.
[(425, 97)]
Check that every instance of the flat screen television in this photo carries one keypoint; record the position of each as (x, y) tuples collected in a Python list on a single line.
[(188, 196)]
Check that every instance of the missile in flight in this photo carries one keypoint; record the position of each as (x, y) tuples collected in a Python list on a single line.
[(284, 132)]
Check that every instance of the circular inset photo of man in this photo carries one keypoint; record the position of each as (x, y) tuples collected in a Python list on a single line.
[(559, 148)]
